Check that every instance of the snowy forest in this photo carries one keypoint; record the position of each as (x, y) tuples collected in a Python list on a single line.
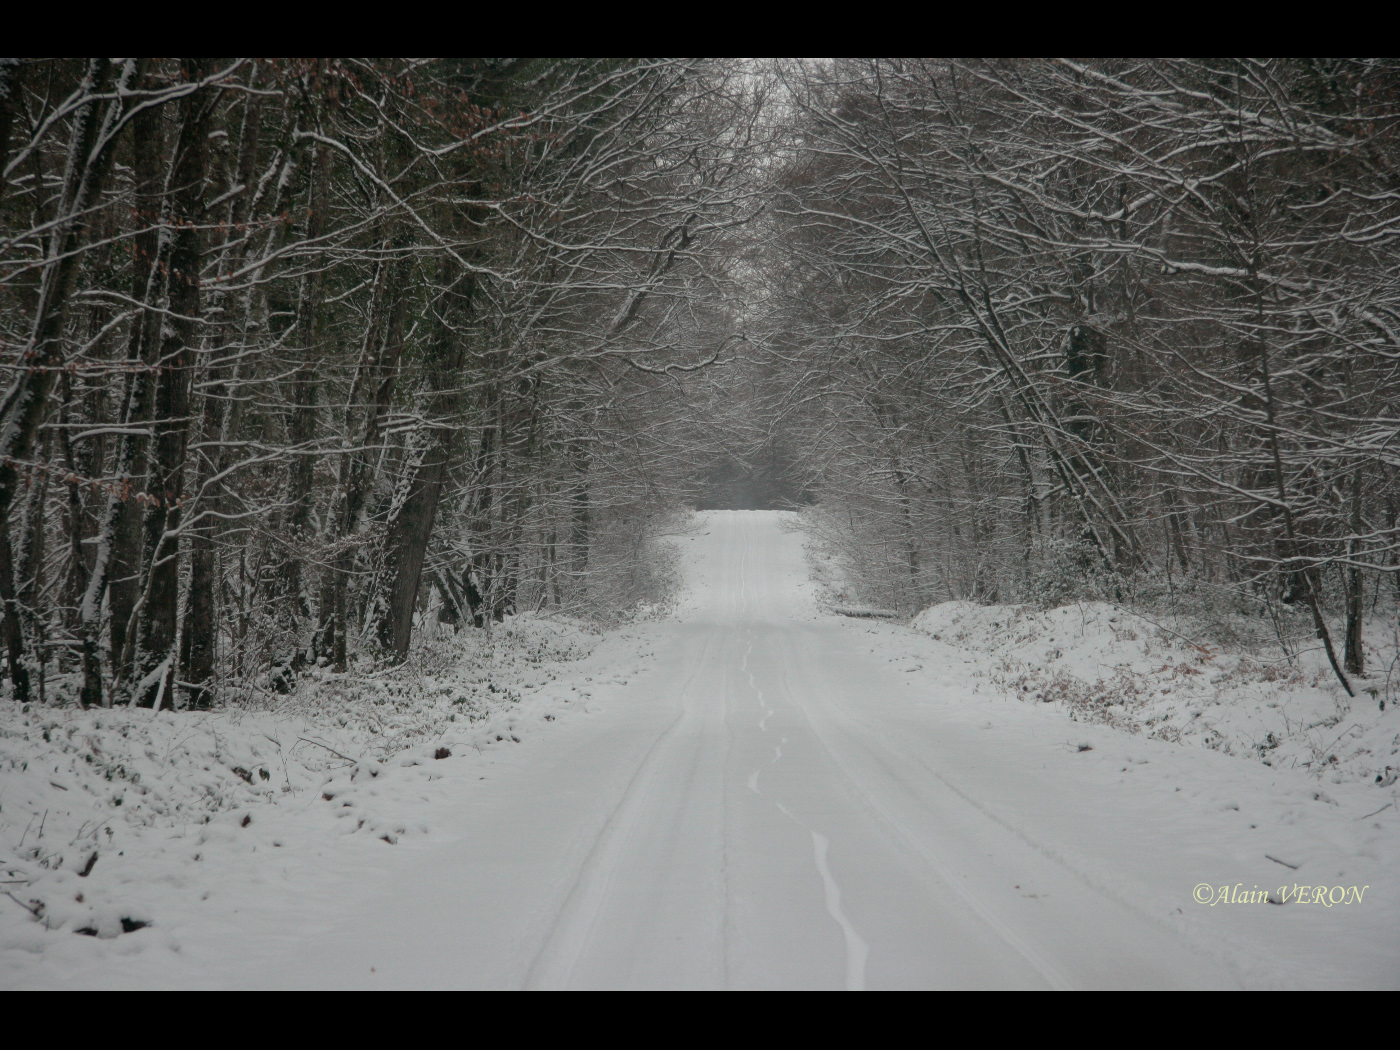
[(314, 366), (295, 344), (299, 347), (1123, 326)]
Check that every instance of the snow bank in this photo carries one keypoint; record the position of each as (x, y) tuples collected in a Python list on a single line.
[(1105, 664), (101, 809)]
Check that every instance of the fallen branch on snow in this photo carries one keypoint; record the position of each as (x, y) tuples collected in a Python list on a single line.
[(878, 614)]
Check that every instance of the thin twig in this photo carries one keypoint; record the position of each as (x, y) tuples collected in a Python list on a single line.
[(1285, 863), (32, 911), (1344, 732), (328, 748)]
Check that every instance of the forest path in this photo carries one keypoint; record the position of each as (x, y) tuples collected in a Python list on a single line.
[(769, 805)]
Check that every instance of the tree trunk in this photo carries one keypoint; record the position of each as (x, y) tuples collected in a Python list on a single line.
[(477, 578), (302, 429), (411, 528), (1292, 549), (518, 432), (1355, 658), (197, 641), (377, 372), (406, 542), (552, 547), (581, 524), (118, 535), (199, 636), (155, 641), (14, 632), (29, 569)]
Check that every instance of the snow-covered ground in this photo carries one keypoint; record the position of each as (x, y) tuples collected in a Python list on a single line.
[(110, 819), (749, 793), (1100, 663)]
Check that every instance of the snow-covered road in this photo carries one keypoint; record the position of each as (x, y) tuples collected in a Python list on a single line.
[(787, 799), (771, 815), (775, 805)]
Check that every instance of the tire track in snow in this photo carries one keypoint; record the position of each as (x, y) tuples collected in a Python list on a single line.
[(558, 957), (857, 951), (762, 700), (916, 844)]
